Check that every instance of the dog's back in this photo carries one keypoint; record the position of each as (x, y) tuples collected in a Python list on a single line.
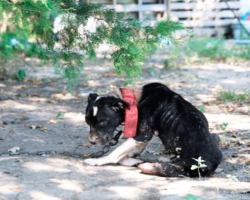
[(183, 129)]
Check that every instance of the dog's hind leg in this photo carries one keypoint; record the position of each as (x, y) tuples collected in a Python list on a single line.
[(118, 154), (163, 169)]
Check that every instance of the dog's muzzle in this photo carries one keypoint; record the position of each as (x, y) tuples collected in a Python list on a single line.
[(94, 139), (97, 140)]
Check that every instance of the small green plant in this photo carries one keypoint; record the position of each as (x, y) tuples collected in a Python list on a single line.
[(224, 126), (166, 64), (21, 74), (191, 197), (200, 164), (202, 109), (60, 115)]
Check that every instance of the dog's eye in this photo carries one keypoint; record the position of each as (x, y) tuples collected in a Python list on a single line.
[(105, 122)]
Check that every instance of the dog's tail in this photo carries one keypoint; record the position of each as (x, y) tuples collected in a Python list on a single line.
[(163, 169)]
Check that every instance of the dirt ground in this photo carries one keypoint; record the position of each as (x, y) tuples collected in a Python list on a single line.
[(39, 116)]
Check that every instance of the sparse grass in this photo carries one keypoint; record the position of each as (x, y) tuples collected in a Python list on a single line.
[(243, 52), (232, 96), (211, 49)]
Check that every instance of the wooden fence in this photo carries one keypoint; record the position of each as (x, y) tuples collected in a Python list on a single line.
[(204, 17)]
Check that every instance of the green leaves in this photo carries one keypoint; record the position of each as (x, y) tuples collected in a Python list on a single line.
[(11, 43), (193, 167), (166, 63), (199, 160), (131, 41), (224, 126), (199, 165), (21, 74), (166, 28), (60, 115)]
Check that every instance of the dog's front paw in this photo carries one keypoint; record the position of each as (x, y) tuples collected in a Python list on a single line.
[(92, 161)]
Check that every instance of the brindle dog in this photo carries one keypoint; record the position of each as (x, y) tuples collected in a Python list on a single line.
[(182, 128)]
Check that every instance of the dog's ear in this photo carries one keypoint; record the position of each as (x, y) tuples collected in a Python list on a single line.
[(92, 97), (119, 104)]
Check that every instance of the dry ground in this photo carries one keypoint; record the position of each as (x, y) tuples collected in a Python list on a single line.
[(28, 120)]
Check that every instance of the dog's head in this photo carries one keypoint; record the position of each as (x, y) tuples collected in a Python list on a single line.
[(103, 115)]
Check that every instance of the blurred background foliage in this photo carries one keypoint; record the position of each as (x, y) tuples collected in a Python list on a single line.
[(28, 28)]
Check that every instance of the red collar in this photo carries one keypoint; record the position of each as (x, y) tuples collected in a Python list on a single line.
[(131, 113)]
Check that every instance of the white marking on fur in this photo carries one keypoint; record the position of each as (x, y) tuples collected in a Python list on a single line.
[(95, 110), (98, 98), (116, 155)]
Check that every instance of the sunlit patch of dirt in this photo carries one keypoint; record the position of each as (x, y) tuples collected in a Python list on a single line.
[(43, 102)]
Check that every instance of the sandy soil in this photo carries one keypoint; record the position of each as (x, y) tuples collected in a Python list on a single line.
[(28, 111)]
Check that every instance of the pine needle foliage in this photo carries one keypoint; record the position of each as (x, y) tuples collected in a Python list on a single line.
[(67, 47)]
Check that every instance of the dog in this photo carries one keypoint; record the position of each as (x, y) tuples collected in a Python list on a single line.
[(181, 127)]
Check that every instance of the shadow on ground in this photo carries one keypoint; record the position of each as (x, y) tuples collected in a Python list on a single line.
[(28, 120)]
